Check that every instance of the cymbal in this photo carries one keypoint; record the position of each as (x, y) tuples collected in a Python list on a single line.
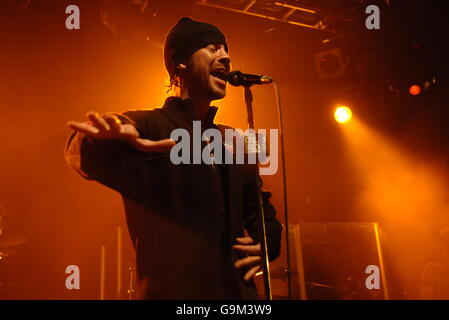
[(13, 240)]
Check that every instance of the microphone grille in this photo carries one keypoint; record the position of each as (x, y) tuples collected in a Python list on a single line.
[(235, 78)]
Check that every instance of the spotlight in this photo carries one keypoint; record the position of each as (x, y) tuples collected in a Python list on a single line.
[(343, 114), (414, 90)]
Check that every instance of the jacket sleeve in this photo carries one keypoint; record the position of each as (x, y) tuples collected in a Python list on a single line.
[(251, 214), (105, 161)]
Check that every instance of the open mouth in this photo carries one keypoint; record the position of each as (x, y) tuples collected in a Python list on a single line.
[(219, 75)]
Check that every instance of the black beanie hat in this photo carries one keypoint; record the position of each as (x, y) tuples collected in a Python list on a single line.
[(186, 37)]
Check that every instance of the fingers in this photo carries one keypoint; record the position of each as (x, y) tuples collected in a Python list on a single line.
[(245, 240), (98, 121), (247, 261), (96, 126), (83, 127), (251, 273), (254, 249), (108, 126), (247, 246), (154, 146), (113, 121)]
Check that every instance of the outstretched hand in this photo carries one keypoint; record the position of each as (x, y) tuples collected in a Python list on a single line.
[(109, 126)]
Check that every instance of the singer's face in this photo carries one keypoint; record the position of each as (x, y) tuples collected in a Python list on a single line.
[(206, 74)]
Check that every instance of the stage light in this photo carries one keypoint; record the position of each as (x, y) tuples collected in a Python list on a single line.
[(343, 114), (414, 90)]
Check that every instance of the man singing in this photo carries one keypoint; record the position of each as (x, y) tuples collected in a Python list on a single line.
[(187, 222)]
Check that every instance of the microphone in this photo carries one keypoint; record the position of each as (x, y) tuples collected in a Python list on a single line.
[(237, 78)]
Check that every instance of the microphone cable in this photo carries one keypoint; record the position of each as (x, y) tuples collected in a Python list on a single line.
[(284, 184)]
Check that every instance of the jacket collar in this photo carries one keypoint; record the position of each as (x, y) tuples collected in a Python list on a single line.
[(186, 110)]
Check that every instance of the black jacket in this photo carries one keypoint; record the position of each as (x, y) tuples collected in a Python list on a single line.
[(183, 219)]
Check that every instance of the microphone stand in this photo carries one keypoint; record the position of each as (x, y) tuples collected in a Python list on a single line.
[(262, 229)]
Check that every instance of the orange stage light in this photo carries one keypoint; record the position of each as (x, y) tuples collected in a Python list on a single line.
[(343, 114), (414, 90)]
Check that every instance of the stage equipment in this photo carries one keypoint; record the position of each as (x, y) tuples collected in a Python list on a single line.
[(343, 114), (237, 78), (330, 16), (336, 261), (330, 64), (247, 80)]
